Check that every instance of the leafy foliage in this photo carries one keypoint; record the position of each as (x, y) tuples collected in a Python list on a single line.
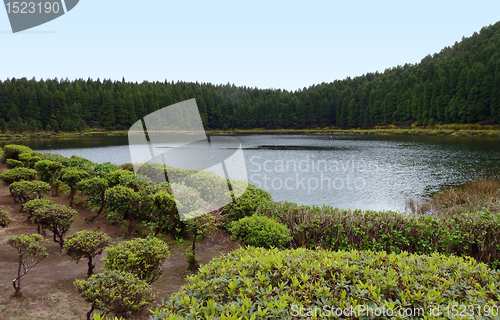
[(11, 163), (55, 217), (12, 151), (257, 283), (47, 169), (466, 234), (35, 204), (88, 245), (115, 291), (122, 200), (164, 212), (142, 257), (4, 218), (246, 205), (17, 174), (114, 177), (261, 231), (30, 253), (95, 189), (72, 176), (29, 159), (24, 191)]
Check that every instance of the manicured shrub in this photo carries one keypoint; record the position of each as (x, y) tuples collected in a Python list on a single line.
[(257, 283), (47, 170), (11, 163), (471, 234), (24, 191), (17, 174), (163, 213), (101, 170), (12, 151), (30, 253), (32, 205), (95, 189), (4, 218), (142, 257), (123, 201), (154, 171), (55, 217), (212, 188), (260, 231), (71, 177), (246, 205), (88, 245), (115, 177), (114, 291), (29, 159)]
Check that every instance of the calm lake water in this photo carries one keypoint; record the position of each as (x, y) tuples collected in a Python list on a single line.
[(356, 172)]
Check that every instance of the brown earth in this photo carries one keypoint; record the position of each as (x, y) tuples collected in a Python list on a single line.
[(48, 291)]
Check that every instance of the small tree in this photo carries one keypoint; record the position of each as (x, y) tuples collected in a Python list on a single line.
[(142, 257), (30, 253), (164, 212), (29, 159), (95, 188), (198, 228), (116, 176), (47, 170), (56, 217), (122, 200), (86, 244), (24, 191), (17, 174), (4, 218), (71, 176), (115, 291)]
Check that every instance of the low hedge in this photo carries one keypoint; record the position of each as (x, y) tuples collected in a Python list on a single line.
[(12, 151), (257, 283), (475, 234), (11, 163)]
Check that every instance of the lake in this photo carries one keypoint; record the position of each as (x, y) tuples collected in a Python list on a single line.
[(356, 172)]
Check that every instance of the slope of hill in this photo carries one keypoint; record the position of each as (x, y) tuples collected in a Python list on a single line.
[(461, 84)]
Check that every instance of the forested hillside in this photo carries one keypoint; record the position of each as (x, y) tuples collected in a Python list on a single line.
[(461, 84)]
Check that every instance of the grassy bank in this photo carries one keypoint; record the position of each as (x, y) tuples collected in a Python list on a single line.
[(458, 130)]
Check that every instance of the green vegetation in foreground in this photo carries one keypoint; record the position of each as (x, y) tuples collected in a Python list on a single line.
[(384, 259), (257, 283)]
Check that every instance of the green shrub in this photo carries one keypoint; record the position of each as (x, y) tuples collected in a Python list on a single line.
[(4, 218), (47, 169), (142, 257), (257, 283), (101, 170), (12, 151), (95, 189), (71, 177), (88, 245), (163, 213), (55, 217), (260, 231), (29, 159), (246, 205), (465, 234), (123, 201), (114, 291), (17, 174), (11, 163), (32, 205), (24, 191), (114, 177)]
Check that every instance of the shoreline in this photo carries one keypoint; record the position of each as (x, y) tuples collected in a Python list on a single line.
[(325, 131)]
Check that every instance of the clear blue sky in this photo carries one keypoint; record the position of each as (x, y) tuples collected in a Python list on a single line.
[(268, 44)]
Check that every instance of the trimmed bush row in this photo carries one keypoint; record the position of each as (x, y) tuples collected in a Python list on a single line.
[(257, 283), (475, 234)]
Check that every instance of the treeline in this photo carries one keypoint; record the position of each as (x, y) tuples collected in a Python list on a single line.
[(461, 84)]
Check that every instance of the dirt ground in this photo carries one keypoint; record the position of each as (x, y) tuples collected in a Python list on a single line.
[(48, 291)]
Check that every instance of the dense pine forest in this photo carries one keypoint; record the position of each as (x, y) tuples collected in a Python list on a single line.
[(461, 84)]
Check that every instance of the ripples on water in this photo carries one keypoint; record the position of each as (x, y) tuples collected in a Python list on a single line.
[(356, 172)]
